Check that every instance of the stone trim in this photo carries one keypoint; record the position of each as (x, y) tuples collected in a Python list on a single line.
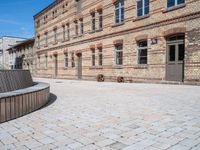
[(99, 45), (141, 37), (174, 31), (99, 8), (92, 11), (92, 46), (114, 1), (117, 42)]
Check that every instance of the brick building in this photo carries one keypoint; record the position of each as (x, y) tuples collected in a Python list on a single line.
[(139, 40), (5, 43), (22, 55)]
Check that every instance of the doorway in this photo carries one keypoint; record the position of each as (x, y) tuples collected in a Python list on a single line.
[(79, 66), (56, 65), (175, 58)]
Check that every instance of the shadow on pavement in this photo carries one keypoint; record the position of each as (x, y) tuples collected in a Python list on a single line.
[(52, 99)]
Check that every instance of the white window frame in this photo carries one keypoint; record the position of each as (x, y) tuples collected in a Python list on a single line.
[(46, 39), (138, 53), (100, 53), (93, 21), (120, 11), (66, 60), (176, 4), (143, 8), (117, 51), (93, 63)]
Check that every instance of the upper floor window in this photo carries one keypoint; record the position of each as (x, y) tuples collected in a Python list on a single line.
[(38, 23), (38, 43), (100, 12), (55, 35), (119, 54), (46, 39), (68, 31), (142, 7), (142, 52), (78, 6), (93, 21), (64, 32), (172, 3), (119, 11), (81, 26), (76, 27)]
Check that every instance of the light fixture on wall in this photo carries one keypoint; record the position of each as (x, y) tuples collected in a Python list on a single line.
[(154, 41)]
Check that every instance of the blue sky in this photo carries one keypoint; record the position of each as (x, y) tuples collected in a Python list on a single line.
[(16, 16)]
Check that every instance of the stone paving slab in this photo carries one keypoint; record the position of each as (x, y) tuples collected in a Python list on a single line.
[(109, 116)]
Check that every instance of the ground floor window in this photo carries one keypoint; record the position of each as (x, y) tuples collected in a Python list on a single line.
[(100, 56), (66, 60), (72, 60), (46, 61), (93, 57), (142, 52), (119, 54)]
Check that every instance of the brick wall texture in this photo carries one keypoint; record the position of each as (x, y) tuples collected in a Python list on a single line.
[(159, 24)]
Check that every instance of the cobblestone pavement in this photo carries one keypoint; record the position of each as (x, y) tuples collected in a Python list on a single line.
[(110, 116)]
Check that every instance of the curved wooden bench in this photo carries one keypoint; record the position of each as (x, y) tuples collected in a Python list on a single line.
[(17, 103), (11, 80)]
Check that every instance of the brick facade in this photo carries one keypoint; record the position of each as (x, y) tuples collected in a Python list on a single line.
[(160, 23)]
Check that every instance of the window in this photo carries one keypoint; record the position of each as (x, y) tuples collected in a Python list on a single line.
[(93, 21), (81, 26), (172, 3), (66, 60), (68, 31), (142, 7), (38, 23), (53, 14), (100, 19), (119, 54), (78, 6), (142, 52), (45, 19), (38, 62), (119, 11), (100, 56), (63, 7), (55, 35), (76, 28), (72, 60), (46, 61), (38, 43), (46, 39), (93, 57), (64, 32)]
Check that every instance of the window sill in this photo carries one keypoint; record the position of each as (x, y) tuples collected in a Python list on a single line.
[(174, 8), (141, 17), (96, 67), (66, 68), (118, 66), (55, 43), (141, 66), (99, 30), (92, 31), (118, 24)]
